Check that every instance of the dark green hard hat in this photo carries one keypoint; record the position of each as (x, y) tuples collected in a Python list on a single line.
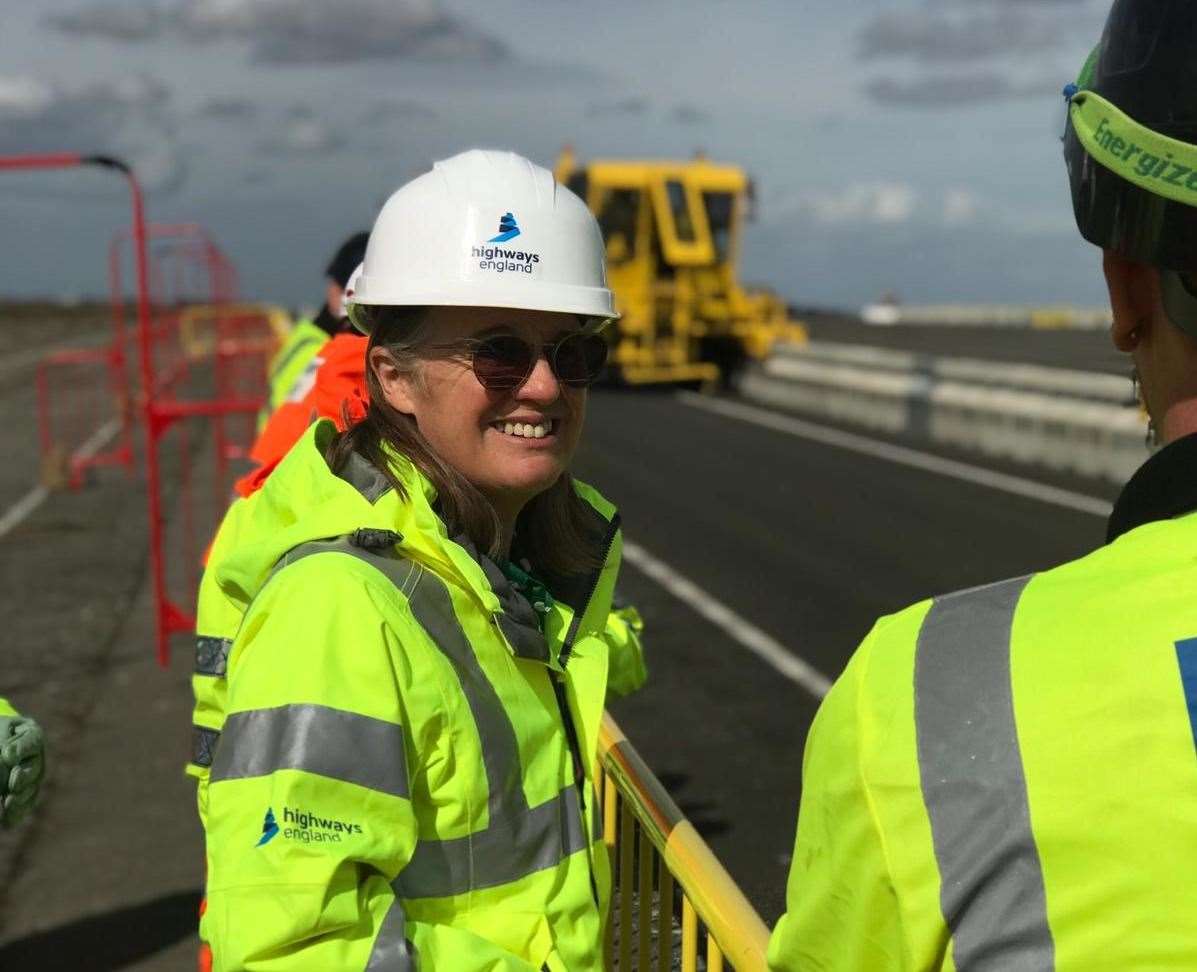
[(1131, 149)]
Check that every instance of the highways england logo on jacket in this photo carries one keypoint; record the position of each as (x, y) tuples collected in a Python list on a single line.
[(306, 827), (494, 256)]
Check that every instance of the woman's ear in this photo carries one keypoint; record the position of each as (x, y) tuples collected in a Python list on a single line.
[(397, 386), (1134, 293)]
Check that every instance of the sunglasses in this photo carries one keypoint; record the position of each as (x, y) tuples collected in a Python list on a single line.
[(503, 362)]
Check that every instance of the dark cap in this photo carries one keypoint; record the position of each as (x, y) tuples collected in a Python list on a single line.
[(1146, 67), (351, 253)]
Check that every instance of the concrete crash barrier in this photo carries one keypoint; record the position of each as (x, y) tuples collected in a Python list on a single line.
[(992, 315), (1080, 422), (1089, 385)]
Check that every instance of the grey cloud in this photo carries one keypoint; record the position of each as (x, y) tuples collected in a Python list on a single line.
[(930, 35), (400, 110), (227, 109), (632, 106), (956, 90), (127, 117), (135, 90), (296, 31), (125, 21), (689, 115), (303, 136)]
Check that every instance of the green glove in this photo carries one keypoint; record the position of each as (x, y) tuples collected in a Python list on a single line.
[(22, 766)]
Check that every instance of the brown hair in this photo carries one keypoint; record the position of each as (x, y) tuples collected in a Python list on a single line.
[(555, 529)]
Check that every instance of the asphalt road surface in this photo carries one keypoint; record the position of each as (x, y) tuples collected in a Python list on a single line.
[(811, 544), (805, 542)]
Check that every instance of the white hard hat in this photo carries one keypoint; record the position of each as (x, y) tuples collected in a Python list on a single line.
[(349, 294), (485, 229)]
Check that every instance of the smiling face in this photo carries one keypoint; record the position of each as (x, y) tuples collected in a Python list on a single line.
[(510, 444)]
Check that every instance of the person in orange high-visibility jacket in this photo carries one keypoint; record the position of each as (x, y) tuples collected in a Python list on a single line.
[(331, 385), (307, 337), (336, 390)]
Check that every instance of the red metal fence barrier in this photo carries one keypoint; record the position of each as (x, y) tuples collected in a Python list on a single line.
[(83, 393), (202, 365)]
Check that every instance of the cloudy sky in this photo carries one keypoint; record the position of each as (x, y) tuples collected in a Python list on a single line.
[(905, 145)]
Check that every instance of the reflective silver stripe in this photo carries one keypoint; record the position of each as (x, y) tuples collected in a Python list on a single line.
[(392, 952), (433, 609), (404, 574), (212, 655), (513, 846), (991, 892), (518, 840), (294, 350), (328, 742)]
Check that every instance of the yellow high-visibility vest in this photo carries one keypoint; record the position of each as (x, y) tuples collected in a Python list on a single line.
[(303, 342), (1006, 778)]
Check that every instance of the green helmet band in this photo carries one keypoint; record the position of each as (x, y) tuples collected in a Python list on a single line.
[(1161, 165)]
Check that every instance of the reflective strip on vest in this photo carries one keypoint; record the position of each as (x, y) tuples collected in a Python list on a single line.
[(293, 351), (212, 655), (316, 739), (991, 891), (518, 840), (392, 952), (515, 843)]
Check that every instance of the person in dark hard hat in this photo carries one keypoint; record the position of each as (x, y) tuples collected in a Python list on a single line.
[(1006, 777), (308, 336)]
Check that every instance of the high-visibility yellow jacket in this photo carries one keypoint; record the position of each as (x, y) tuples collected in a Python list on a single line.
[(305, 339), (219, 614), (402, 779), (1006, 777), (6, 708)]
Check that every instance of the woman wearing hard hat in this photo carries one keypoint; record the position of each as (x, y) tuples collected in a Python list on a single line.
[(414, 694)]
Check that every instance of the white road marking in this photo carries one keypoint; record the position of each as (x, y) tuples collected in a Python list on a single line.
[(902, 455), (16, 361), (21, 509), (741, 629)]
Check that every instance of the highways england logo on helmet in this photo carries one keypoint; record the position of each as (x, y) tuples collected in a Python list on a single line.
[(493, 256)]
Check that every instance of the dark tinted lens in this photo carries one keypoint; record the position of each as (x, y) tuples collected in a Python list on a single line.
[(579, 358), (502, 361)]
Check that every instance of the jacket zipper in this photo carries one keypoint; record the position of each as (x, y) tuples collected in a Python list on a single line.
[(571, 731)]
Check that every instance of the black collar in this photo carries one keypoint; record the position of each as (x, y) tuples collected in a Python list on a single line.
[(1164, 486), (326, 322)]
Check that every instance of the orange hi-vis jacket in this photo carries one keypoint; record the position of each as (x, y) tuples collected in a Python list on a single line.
[(332, 386)]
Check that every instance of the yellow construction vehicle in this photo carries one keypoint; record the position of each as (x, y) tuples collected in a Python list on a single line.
[(672, 231)]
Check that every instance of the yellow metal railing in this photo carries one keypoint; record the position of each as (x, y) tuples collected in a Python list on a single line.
[(656, 854)]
